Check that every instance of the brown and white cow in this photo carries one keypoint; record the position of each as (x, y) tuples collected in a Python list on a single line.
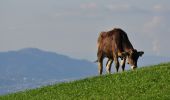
[(115, 44)]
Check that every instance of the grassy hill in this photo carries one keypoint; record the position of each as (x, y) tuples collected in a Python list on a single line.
[(149, 83)]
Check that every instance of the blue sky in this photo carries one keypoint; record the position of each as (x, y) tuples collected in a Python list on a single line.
[(71, 27)]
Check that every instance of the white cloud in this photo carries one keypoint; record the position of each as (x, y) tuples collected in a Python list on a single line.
[(161, 8), (78, 11), (66, 13), (126, 9), (151, 30), (153, 24), (118, 7), (156, 46), (157, 30), (158, 8), (91, 5)]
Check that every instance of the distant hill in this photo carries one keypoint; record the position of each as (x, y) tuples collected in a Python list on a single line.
[(149, 83), (32, 67)]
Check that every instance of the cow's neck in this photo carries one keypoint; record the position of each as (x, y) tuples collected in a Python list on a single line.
[(126, 44), (128, 48)]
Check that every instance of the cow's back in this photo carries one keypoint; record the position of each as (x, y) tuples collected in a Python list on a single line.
[(114, 41)]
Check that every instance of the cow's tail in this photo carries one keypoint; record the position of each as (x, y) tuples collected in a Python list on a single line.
[(95, 61)]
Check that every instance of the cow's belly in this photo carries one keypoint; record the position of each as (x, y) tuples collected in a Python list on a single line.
[(108, 55)]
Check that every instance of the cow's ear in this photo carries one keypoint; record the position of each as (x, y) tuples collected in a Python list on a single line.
[(140, 53), (124, 54)]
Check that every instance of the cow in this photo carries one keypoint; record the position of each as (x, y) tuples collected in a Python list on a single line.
[(114, 44)]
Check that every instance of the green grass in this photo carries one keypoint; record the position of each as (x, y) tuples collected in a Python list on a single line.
[(149, 83)]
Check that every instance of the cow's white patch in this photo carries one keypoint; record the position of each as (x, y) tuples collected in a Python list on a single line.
[(132, 67), (121, 62), (108, 65)]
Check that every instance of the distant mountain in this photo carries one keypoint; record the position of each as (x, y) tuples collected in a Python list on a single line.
[(31, 67)]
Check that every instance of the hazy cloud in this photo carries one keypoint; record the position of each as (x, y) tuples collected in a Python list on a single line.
[(88, 6), (161, 8), (118, 7), (156, 47), (156, 28), (153, 24), (72, 27), (66, 13), (151, 30)]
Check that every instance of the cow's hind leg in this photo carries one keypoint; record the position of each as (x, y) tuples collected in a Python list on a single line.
[(100, 62), (100, 66), (108, 65)]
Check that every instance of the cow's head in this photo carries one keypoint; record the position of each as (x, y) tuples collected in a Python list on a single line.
[(132, 57)]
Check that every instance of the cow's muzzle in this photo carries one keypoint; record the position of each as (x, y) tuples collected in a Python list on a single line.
[(133, 67)]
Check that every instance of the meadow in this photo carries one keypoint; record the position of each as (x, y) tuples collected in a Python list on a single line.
[(150, 82)]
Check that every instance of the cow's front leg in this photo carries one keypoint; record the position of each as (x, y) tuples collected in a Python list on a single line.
[(123, 61), (108, 65), (116, 61)]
